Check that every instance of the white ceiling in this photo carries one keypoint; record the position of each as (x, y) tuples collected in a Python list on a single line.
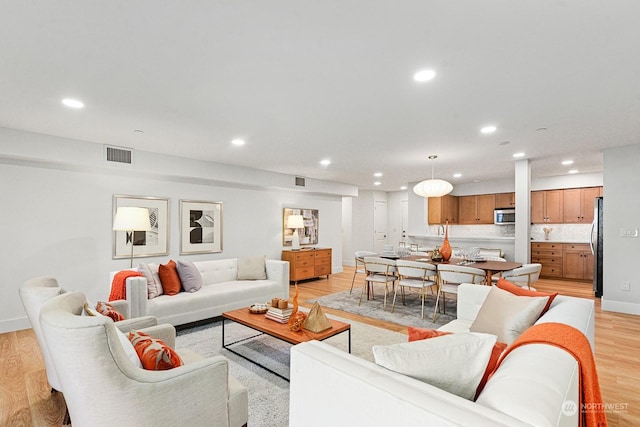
[(306, 80)]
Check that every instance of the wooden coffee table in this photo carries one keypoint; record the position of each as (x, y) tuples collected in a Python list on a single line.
[(277, 330)]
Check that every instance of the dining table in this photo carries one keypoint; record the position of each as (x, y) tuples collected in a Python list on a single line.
[(490, 267)]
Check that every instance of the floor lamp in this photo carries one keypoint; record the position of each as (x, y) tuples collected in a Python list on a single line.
[(295, 222), (130, 219)]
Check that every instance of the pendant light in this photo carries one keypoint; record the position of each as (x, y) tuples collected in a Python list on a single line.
[(432, 187)]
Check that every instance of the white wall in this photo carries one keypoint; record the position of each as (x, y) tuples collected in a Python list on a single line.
[(56, 216), (621, 210)]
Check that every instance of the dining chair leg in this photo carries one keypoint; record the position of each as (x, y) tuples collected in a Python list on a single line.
[(353, 280), (366, 285), (422, 292), (435, 308), (393, 304)]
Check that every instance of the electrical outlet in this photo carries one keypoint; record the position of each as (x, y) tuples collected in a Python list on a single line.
[(628, 232), (626, 286)]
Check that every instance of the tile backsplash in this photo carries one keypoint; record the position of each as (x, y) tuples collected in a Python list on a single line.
[(576, 233)]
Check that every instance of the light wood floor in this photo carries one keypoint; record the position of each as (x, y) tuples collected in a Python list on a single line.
[(26, 400)]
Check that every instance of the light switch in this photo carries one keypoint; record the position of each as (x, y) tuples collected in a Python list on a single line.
[(628, 232)]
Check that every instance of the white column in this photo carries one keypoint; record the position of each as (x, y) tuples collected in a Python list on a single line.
[(523, 211)]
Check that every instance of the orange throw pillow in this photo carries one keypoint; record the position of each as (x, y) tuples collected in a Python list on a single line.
[(169, 278), (154, 354), (506, 285), (416, 334), (107, 309)]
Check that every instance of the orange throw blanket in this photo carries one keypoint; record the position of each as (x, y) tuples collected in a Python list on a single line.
[(119, 284), (575, 343)]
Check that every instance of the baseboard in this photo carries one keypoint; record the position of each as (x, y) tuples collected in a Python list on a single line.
[(14, 324), (620, 307)]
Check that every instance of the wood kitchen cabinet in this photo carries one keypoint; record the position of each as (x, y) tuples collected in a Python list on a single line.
[(476, 209), (578, 204), (577, 261), (442, 210), (546, 206), (550, 256), (308, 263), (505, 200)]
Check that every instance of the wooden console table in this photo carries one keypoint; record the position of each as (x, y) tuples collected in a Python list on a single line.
[(308, 263)]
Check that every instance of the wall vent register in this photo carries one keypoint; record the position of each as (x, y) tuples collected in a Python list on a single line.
[(118, 155)]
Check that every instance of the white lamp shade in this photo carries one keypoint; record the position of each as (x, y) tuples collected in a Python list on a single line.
[(132, 219), (295, 221), (432, 188)]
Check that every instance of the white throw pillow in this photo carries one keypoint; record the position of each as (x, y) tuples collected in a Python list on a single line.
[(507, 315), (454, 363), (252, 268), (150, 272)]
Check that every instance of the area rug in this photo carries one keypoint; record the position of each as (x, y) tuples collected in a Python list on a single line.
[(407, 315), (268, 393)]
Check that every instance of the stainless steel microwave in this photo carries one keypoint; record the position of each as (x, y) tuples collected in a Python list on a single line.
[(504, 216)]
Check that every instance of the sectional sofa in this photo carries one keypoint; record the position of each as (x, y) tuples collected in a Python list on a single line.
[(530, 388)]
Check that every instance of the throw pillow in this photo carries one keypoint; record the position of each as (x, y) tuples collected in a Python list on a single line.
[(169, 278), (252, 268), (128, 348), (154, 354), (416, 334), (108, 310), (507, 315), (154, 285), (189, 276), (523, 292), (454, 363)]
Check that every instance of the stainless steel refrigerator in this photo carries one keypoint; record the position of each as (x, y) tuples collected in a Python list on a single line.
[(596, 246)]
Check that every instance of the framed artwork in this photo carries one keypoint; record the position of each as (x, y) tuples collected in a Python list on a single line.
[(145, 243), (309, 234), (200, 227)]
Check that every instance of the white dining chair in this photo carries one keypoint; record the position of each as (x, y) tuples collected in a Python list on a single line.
[(524, 276), (414, 275), (379, 270), (450, 276), (359, 256)]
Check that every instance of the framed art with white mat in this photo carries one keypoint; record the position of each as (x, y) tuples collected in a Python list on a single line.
[(154, 242), (200, 227)]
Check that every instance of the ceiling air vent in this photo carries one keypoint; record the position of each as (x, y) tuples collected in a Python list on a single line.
[(118, 155), (299, 181)]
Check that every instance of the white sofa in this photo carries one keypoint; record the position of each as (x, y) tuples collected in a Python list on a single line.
[(221, 291), (528, 389)]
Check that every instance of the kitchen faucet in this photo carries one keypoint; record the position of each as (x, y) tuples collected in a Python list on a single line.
[(440, 230)]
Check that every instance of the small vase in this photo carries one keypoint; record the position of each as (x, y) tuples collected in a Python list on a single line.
[(445, 249)]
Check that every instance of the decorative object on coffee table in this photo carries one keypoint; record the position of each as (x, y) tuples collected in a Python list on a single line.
[(316, 321), (297, 318)]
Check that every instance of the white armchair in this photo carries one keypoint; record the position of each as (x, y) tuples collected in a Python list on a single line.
[(103, 387), (35, 292)]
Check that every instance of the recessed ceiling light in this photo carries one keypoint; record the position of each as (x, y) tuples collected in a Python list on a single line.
[(518, 155), (377, 174), (567, 162), (488, 129), (325, 162), (238, 142), (503, 143), (404, 187), (457, 175), (572, 171), (377, 183), (476, 180), (73, 103), (138, 131), (424, 75)]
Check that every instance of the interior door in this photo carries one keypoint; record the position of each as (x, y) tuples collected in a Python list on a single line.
[(379, 225)]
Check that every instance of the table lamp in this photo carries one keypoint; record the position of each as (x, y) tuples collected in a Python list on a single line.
[(295, 222), (130, 219)]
